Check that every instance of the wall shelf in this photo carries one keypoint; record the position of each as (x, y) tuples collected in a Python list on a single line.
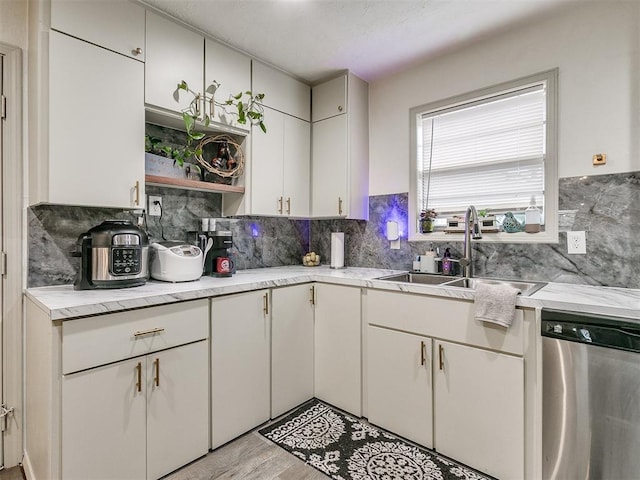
[(186, 184)]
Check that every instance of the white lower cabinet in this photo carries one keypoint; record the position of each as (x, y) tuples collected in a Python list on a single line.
[(138, 418), (338, 363), (445, 380), (479, 408), (291, 347), (240, 350), (400, 384)]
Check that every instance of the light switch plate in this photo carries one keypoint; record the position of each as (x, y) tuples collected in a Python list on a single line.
[(576, 242)]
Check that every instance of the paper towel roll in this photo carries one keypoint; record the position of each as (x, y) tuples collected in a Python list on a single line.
[(337, 250)]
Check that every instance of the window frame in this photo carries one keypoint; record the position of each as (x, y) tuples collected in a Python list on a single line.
[(550, 234)]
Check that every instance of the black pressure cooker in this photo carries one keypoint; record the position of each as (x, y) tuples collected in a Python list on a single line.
[(115, 254)]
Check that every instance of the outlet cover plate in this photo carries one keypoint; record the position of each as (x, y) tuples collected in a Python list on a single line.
[(576, 242), (155, 210)]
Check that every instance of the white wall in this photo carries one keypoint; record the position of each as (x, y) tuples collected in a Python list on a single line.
[(13, 23), (596, 46)]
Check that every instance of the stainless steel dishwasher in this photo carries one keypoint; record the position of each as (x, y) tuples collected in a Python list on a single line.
[(591, 397)]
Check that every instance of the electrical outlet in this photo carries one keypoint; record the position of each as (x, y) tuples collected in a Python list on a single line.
[(576, 242), (155, 206)]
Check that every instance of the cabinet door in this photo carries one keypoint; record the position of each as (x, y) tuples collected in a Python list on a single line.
[(118, 26), (282, 92), (338, 364), (297, 165), (174, 53), (399, 384), (329, 167), (177, 407), (96, 125), (232, 70), (329, 99), (291, 348), (240, 384), (266, 165), (104, 422), (479, 408)]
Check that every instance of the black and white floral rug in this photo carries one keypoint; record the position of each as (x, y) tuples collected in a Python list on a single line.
[(346, 448)]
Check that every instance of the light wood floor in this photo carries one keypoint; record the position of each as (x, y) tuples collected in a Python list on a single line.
[(250, 457), (13, 473)]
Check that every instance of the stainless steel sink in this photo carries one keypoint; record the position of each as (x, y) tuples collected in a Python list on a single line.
[(526, 288), (421, 278)]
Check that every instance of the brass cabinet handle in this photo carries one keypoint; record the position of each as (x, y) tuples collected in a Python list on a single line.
[(441, 356), (149, 332), (156, 364), (312, 291), (197, 105), (137, 51), (288, 205), (265, 303), (280, 208), (339, 206), (422, 348), (139, 375), (137, 187)]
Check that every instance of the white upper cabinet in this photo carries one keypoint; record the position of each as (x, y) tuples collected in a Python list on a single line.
[(282, 92), (329, 99), (174, 53), (340, 149), (280, 166), (118, 26), (95, 127), (232, 70)]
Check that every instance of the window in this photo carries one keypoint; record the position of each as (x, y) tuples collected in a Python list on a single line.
[(494, 149)]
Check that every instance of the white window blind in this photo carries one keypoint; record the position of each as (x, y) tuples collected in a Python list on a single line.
[(489, 153)]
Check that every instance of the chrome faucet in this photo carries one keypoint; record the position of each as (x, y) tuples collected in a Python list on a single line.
[(471, 230)]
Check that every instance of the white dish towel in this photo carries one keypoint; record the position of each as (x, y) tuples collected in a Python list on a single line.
[(496, 303)]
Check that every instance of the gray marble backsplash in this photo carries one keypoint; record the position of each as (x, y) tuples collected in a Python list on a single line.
[(607, 207)]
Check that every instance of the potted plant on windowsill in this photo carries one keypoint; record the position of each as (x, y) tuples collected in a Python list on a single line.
[(427, 217)]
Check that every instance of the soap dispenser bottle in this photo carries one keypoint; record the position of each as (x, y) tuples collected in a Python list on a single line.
[(446, 262), (532, 217)]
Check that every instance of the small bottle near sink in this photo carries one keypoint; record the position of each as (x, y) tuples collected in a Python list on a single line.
[(446, 262)]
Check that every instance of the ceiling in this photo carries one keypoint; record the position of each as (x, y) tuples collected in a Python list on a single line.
[(313, 39)]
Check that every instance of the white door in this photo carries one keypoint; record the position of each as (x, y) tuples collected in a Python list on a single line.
[(266, 165), (177, 406), (240, 380), (291, 348), (1, 250), (479, 408), (338, 374), (297, 166), (329, 167), (104, 422), (399, 383)]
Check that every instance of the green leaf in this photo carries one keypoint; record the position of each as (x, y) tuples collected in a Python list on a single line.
[(242, 117), (197, 136), (207, 120), (263, 127), (238, 96), (260, 96), (183, 85), (229, 102), (188, 121)]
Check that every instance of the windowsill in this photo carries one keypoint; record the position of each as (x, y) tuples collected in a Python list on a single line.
[(499, 237)]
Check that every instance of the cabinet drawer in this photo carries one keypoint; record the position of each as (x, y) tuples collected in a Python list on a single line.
[(93, 341), (443, 318)]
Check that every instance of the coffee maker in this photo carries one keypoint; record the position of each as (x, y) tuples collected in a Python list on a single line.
[(217, 245)]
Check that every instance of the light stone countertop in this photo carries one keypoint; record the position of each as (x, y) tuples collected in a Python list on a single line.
[(63, 302)]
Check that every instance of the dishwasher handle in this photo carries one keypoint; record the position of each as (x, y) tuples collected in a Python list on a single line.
[(623, 336)]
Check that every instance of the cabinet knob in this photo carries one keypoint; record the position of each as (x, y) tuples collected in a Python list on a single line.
[(137, 51), (339, 108)]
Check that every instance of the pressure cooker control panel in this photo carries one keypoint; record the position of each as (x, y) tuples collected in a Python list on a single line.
[(126, 261)]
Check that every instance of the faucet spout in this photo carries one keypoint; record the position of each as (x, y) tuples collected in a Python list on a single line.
[(471, 230)]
